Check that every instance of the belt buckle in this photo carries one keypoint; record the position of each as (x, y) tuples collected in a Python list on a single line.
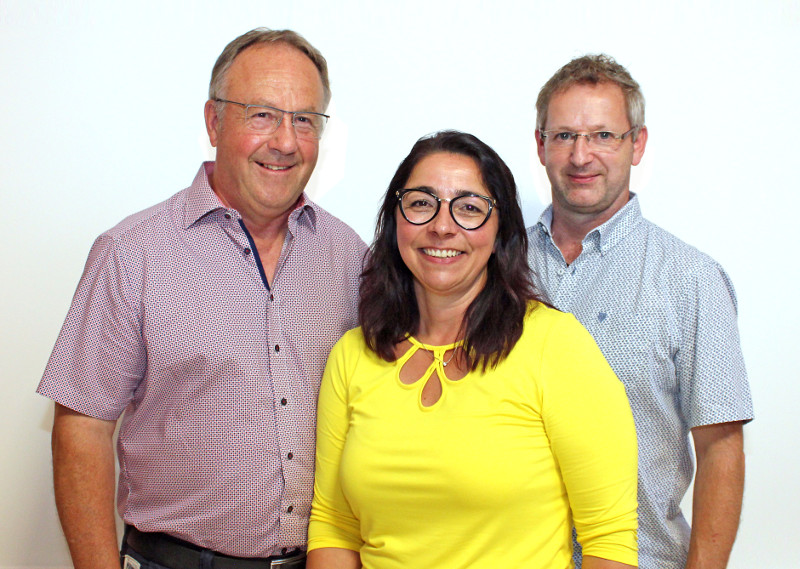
[(287, 560)]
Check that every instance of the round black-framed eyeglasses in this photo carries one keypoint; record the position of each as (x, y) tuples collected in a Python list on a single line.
[(469, 210)]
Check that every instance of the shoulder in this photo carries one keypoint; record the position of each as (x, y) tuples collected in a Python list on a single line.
[(351, 346), (681, 253), (560, 352), (684, 265), (542, 318), (331, 227), (334, 242), (147, 225), (136, 235), (548, 330), (352, 340), (349, 353)]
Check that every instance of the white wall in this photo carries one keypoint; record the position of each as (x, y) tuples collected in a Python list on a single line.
[(102, 115)]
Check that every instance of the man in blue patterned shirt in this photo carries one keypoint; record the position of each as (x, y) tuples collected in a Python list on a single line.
[(663, 313)]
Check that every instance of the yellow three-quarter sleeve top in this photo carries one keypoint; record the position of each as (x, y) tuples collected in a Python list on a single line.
[(494, 474)]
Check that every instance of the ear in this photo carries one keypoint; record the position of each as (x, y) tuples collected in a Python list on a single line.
[(638, 146), (212, 122), (540, 146)]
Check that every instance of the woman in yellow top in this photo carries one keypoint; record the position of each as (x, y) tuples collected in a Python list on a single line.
[(465, 424)]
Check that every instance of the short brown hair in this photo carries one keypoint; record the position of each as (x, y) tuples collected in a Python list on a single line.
[(592, 70), (265, 35)]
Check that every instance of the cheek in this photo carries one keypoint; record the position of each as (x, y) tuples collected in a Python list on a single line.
[(405, 236), (238, 143), (402, 236), (309, 149)]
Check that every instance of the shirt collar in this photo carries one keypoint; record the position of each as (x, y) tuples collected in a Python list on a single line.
[(201, 200), (609, 233)]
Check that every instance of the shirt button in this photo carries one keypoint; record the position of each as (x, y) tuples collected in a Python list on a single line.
[(271, 298), (289, 509), (277, 348), (290, 456), (228, 216), (247, 250), (283, 401)]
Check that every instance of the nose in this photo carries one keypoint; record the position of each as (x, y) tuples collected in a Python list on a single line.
[(443, 223), (581, 153), (284, 139)]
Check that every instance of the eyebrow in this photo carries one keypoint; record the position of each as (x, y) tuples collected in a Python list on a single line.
[(273, 106), (458, 193), (595, 128)]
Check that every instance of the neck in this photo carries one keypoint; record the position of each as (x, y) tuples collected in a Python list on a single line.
[(267, 229), (441, 318), (263, 223), (569, 228)]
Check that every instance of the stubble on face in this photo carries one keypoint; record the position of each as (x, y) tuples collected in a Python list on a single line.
[(589, 185)]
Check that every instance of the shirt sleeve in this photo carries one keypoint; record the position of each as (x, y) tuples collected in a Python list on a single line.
[(332, 523), (710, 370), (589, 422), (99, 357)]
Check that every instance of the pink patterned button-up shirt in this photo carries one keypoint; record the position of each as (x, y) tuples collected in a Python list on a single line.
[(217, 370)]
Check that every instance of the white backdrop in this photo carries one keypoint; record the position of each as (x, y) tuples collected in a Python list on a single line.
[(102, 116)]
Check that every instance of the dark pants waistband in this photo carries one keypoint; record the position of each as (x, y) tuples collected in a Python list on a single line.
[(176, 554)]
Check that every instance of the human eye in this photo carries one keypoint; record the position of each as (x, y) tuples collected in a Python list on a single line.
[(604, 137), (307, 123), (262, 118), (419, 201), (562, 136), (470, 206)]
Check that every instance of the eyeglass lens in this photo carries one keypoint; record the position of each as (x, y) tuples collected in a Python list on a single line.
[(469, 211), (266, 120), (602, 139)]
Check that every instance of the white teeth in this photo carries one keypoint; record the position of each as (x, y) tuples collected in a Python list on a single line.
[(442, 253), (276, 168)]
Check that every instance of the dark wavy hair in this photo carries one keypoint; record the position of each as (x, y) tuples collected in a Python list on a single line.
[(493, 323)]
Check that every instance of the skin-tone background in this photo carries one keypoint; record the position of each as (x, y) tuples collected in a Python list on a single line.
[(103, 116)]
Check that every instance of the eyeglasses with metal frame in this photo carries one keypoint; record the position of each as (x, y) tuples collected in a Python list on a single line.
[(420, 205), (266, 120), (598, 140)]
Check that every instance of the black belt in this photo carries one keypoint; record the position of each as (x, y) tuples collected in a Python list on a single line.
[(176, 554)]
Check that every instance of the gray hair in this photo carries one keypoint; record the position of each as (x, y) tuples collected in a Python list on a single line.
[(265, 36), (592, 70)]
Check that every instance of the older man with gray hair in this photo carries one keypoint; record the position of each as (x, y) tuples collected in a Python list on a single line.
[(663, 313), (205, 323)]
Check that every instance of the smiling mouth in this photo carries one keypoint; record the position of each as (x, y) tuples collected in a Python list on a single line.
[(442, 253), (583, 177), (273, 167)]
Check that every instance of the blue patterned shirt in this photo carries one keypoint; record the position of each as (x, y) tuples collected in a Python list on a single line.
[(664, 315)]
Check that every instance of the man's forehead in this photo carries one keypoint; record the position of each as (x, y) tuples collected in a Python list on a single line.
[(602, 100), (265, 70), (607, 89)]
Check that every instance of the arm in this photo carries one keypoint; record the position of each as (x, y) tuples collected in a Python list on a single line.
[(718, 489), (333, 528), (590, 562), (333, 558), (591, 432), (83, 475)]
